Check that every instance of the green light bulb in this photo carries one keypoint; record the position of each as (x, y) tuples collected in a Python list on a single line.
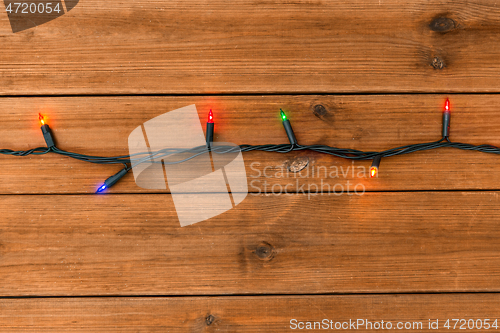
[(283, 115)]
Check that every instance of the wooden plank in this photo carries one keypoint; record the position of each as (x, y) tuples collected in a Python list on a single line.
[(133, 245), (101, 125), (248, 314), (146, 46)]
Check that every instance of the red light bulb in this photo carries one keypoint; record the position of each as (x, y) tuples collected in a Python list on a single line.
[(373, 172), (42, 120), (210, 117), (447, 105)]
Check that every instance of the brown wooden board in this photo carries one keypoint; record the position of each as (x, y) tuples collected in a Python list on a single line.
[(145, 46), (133, 245), (251, 314), (101, 126)]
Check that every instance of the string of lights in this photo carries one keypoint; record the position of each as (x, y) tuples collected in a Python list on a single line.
[(131, 161)]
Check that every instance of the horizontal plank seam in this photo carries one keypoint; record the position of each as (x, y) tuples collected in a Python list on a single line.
[(256, 94), (255, 295), (260, 193)]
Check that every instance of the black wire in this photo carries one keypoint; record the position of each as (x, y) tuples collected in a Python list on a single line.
[(35, 151), (161, 155)]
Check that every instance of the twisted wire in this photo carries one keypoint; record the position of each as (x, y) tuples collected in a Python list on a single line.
[(133, 160)]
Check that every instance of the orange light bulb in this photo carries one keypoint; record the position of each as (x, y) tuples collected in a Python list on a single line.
[(42, 120), (373, 172)]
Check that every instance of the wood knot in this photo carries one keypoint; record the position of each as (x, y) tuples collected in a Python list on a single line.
[(438, 63), (442, 24), (319, 110), (322, 113), (209, 320), (298, 164), (265, 251)]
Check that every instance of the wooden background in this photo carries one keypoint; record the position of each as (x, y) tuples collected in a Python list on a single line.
[(421, 243)]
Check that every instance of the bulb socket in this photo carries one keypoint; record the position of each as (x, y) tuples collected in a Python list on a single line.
[(113, 179), (47, 135), (446, 123), (289, 132), (210, 134)]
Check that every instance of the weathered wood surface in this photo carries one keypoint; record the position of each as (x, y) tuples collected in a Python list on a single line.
[(133, 245), (102, 125), (145, 46), (243, 314), (428, 224)]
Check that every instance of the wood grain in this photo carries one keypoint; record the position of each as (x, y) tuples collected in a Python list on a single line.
[(101, 126), (57, 241), (242, 314), (246, 46), (133, 245)]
